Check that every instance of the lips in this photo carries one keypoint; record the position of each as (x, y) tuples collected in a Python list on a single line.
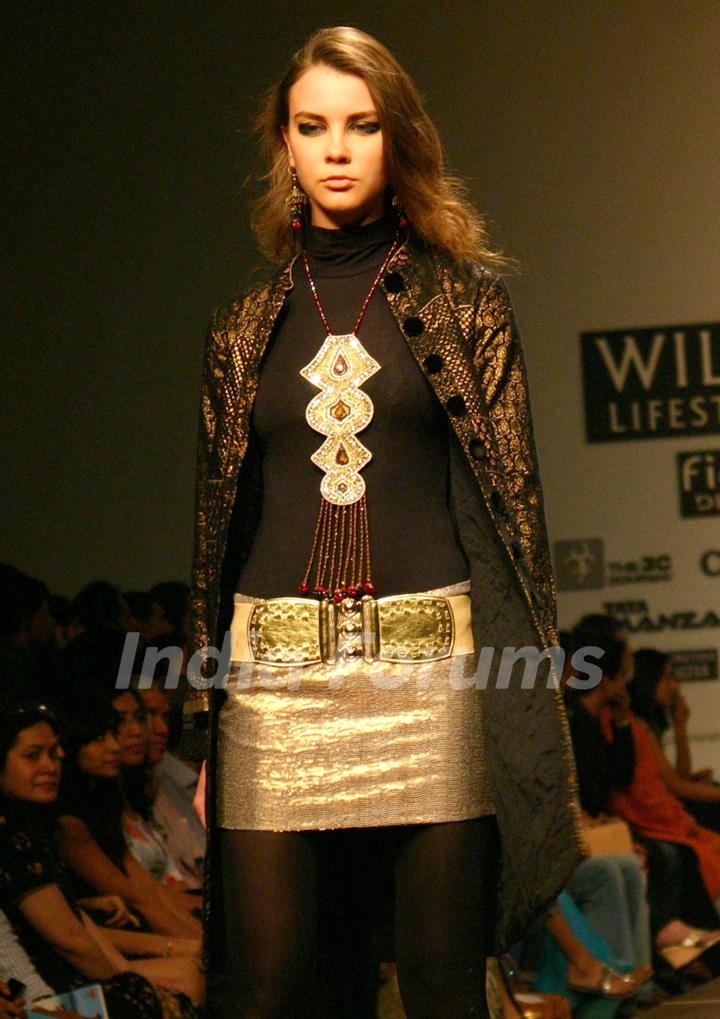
[(338, 183)]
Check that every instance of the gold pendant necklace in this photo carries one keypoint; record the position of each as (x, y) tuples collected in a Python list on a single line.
[(339, 560)]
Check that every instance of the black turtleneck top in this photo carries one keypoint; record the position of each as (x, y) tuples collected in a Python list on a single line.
[(413, 540)]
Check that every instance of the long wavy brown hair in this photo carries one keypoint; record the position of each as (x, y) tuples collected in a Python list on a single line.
[(434, 201)]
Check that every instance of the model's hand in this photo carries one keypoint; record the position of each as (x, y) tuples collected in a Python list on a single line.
[(199, 800)]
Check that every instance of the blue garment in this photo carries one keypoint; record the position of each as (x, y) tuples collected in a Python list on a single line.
[(551, 964)]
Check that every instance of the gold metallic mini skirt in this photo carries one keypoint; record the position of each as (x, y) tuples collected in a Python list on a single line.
[(352, 743)]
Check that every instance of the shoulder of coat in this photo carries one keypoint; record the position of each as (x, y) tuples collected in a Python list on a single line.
[(261, 297)]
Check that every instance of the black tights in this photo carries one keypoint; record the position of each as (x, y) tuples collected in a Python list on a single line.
[(302, 911)]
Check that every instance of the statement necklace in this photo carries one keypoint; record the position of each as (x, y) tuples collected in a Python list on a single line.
[(339, 566)]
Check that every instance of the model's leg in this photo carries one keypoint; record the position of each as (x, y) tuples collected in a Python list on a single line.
[(446, 884), (270, 905)]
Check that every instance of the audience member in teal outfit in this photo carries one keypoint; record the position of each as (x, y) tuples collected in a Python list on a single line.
[(551, 965)]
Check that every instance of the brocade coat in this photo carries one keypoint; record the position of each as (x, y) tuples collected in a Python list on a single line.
[(458, 323)]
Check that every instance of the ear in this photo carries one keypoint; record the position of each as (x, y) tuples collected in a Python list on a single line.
[(284, 132)]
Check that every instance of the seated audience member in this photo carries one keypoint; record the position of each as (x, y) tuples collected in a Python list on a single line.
[(169, 610), (146, 841), (603, 764), (26, 636), (16, 964), (570, 959), (139, 606), (173, 787), (64, 945), (656, 815), (609, 763), (655, 698), (90, 826)]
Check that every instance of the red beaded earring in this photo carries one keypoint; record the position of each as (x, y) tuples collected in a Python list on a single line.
[(296, 201), (402, 219)]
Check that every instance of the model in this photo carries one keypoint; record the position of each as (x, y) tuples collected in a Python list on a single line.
[(370, 532)]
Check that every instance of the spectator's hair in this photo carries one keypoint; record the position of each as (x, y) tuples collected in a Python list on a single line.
[(649, 666), (598, 623), (97, 606), (139, 603), (83, 720), (612, 648), (174, 597), (20, 597)]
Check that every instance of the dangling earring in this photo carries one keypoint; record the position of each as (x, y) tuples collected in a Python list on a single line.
[(296, 200), (403, 221)]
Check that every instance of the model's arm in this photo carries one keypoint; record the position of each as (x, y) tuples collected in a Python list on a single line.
[(511, 454), (85, 857)]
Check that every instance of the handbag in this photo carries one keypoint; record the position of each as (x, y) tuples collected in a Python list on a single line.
[(608, 838)]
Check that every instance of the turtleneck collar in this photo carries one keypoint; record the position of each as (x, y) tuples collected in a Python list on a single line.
[(349, 251)]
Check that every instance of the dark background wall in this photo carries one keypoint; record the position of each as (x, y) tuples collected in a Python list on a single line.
[(588, 131)]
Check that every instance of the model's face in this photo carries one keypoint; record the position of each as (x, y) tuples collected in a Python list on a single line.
[(132, 732), (101, 756), (335, 145), (667, 688), (32, 769), (157, 712)]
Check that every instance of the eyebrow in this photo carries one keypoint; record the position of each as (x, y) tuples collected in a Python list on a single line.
[(319, 116)]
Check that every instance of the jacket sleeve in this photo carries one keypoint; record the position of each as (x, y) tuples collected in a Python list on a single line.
[(205, 566), (513, 466)]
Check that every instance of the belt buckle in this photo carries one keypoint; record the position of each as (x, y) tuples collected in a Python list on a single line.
[(415, 628), (285, 632)]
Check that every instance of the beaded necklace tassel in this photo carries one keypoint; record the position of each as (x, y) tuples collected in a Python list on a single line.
[(339, 565)]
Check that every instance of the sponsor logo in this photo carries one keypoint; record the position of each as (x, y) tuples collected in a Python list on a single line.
[(651, 383), (693, 665), (710, 562), (646, 570), (699, 481), (636, 617), (579, 564)]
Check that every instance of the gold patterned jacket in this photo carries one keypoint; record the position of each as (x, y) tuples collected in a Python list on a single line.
[(458, 323)]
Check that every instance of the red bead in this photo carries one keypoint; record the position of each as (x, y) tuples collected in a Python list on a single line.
[(296, 225), (351, 591), (304, 588), (369, 588), (404, 223), (338, 595)]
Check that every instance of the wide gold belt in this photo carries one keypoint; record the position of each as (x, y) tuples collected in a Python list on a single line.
[(400, 628)]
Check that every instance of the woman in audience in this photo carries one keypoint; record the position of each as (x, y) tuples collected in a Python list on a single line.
[(146, 842), (684, 879), (63, 943), (172, 788), (92, 840), (656, 699)]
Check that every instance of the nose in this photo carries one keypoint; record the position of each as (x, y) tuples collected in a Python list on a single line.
[(337, 149)]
